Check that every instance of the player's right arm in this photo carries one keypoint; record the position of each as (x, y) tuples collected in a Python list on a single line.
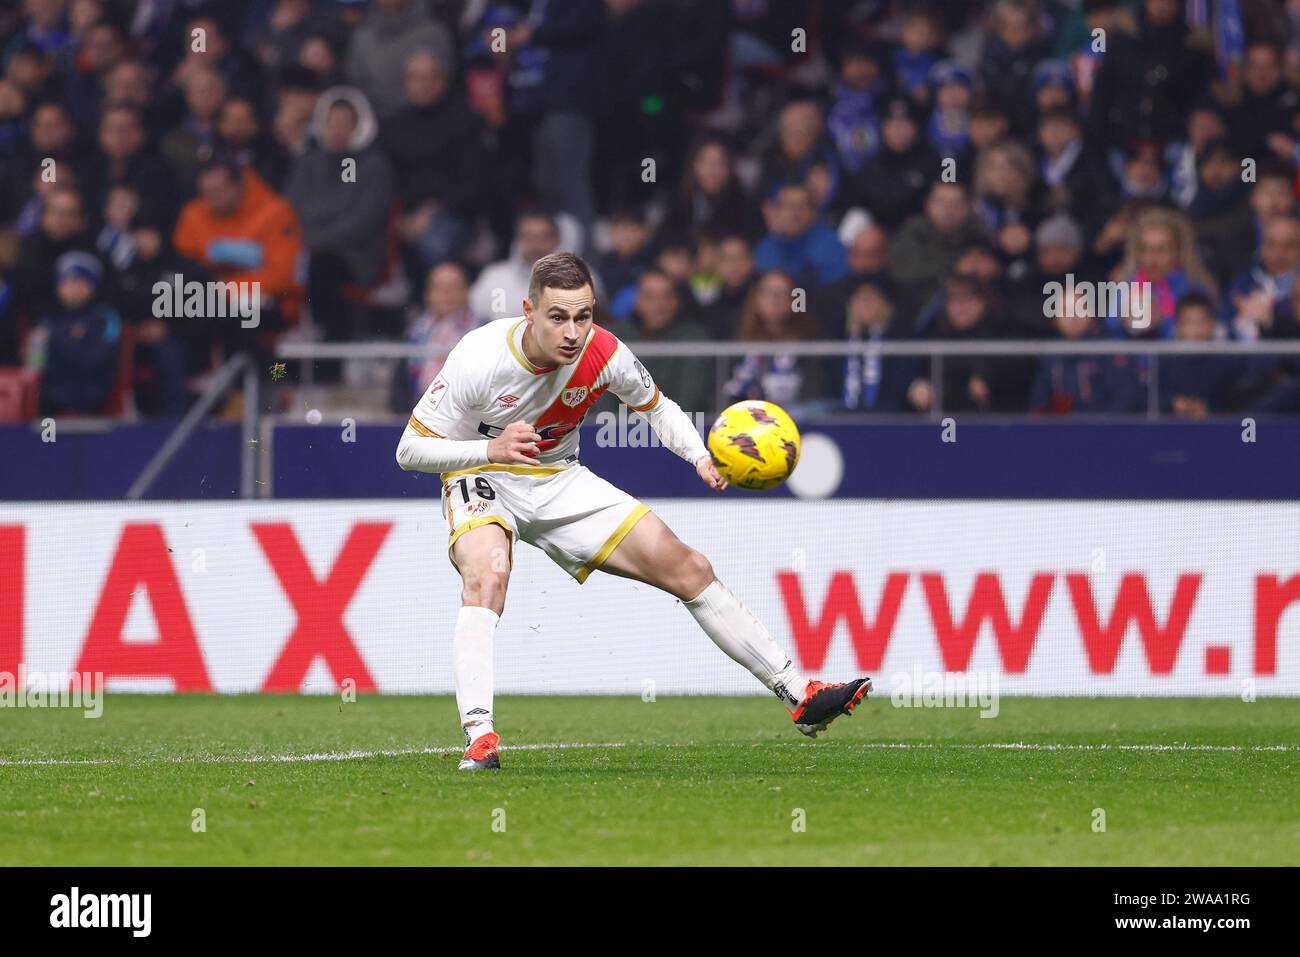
[(449, 400)]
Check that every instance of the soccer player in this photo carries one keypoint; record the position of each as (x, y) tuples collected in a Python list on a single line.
[(500, 423)]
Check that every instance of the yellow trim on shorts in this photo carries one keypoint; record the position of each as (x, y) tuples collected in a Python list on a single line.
[(612, 542), (513, 469), (654, 400), (478, 523)]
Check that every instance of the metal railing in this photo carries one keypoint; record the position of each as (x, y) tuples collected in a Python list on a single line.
[(935, 351), (221, 383)]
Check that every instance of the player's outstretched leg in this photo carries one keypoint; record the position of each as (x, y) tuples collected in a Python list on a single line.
[(653, 554), (483, 558)]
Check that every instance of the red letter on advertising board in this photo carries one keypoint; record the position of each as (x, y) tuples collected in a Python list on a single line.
[(1132, 604), (319, 605), (986, 604), (11, 597), (869, 640), (1271, 599), (141, 560)]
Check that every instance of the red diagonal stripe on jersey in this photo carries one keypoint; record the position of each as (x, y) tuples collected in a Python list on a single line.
[(559, 419)]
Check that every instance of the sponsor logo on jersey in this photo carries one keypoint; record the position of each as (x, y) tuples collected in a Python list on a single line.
[(572, 397), (508, 400), (436, 392)]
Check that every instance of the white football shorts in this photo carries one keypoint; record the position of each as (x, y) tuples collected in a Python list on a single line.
[(571, 513)]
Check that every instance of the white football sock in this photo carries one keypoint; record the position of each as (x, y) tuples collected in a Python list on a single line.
[(471, 662), (736, 631)]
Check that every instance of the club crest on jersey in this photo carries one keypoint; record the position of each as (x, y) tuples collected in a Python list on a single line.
[(572, 397)]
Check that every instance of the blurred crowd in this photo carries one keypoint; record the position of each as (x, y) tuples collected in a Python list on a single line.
[(756, 170)]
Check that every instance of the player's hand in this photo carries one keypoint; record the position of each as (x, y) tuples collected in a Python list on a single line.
[(517, 445), (708, 472)]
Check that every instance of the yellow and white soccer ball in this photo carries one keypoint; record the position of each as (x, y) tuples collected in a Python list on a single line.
[(755, 444)]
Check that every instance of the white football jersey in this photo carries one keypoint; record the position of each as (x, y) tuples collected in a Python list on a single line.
[(487, 382)]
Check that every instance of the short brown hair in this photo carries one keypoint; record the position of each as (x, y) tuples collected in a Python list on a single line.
[(558, 271)]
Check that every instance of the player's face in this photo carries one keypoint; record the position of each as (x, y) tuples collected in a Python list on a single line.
[(559, 322)]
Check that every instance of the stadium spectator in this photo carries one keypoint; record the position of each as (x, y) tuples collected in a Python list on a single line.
[(1261, 122), (129, 83), (1146, 82), (1014, 47), (854, 118), (1230, 251), (125, 159), (102, 46), (1004, 184), (342, 192), (928, 244), (557, 50), (970, 383), (319, 55), (735, 271), (207, 45), (872, 382), (137, 258), (1058, 254), (797, 244), (190, 144), (710, 198), (63, 229), (502, 286), (1253, 296), (1075, 180), (445, 318), (78, 341), (288, 23), (1083, 383), (802, 156), (628, 257), (641, 96), (868, 260), (770, 316), (241, 231), (242, 136), (295, 105), (1205, 124), (435, 143), (949, 131), (920, 48), (660, 316), (131, 103), (891, 183), (1193, 387), (50, 137), (1161, 252)]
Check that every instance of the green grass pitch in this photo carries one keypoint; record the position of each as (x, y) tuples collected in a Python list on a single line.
[(310, 780)]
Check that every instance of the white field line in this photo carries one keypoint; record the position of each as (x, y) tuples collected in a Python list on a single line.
[(285, 758), (562, 746), (1030, 746)]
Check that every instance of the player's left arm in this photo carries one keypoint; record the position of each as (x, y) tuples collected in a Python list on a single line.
[(633, 384)]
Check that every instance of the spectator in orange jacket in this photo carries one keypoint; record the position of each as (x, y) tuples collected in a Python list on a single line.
[(243, 231)]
